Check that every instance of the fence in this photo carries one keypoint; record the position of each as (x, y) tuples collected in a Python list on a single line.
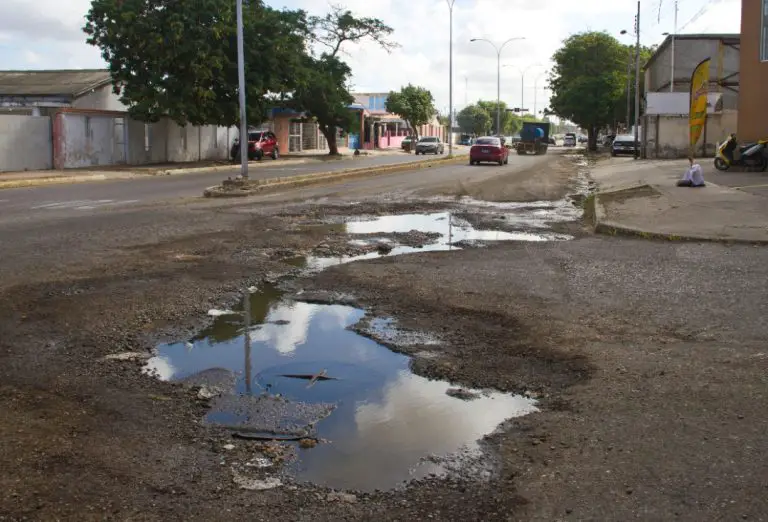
[(25, 143), (84, 138)]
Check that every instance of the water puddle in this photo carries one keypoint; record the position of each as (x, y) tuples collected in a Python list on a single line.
[(360, 418), (445, 230)]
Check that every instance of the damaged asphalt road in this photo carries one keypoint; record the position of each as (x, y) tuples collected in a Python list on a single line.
[(648, 358)]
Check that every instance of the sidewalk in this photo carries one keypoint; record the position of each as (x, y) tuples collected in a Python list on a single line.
[(640, 197)]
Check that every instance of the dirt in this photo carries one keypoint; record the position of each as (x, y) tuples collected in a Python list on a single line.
[(644, 414)]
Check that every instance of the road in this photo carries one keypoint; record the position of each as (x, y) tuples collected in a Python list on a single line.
[(63, 200)]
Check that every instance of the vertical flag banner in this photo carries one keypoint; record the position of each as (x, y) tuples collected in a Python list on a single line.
[(698, 109)]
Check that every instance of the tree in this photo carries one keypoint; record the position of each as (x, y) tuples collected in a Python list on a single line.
[(621, 109), (322, 92), (340, 26), (179, 59), (587, 81), (323, 95), (474, 119), (414, 104)]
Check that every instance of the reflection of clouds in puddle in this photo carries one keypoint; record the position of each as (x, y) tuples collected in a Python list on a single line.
[(285, 338), (161, 367)]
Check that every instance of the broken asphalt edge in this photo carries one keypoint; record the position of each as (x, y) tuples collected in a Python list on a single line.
[(612, 228), (260, 185)]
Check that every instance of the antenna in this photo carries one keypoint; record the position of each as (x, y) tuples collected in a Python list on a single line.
[(658, 18)]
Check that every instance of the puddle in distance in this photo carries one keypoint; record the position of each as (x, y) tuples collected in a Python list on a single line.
[(386, 422), (451, 229)]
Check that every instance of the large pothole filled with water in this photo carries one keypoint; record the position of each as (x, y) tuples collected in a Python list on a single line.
[(315, 401), (359, 418)]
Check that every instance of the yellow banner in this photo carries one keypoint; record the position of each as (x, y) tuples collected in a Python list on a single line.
[(698, 109)]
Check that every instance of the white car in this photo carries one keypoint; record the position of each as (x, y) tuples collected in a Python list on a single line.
[(570, 140)]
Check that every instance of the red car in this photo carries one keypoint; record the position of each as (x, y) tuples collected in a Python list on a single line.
[(489, 149), (260, 144)]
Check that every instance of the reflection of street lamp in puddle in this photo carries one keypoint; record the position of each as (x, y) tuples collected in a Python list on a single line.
[(247, 340)]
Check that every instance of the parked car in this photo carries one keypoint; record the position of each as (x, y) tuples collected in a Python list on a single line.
[(408, 143), (552, 141), (489, 149), (623, 144), (582, 138), (429, 145), (260, 144), (569, 140), (465, 140)]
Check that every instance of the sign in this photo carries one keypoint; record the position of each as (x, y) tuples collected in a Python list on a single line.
[(678, 103), (697, 117)]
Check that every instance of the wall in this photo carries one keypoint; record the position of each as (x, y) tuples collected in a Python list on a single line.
[(87, 140), (688, 54), (753, 111), (100, 99), (25, 143), (666, 137)]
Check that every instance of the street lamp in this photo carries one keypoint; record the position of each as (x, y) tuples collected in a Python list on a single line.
[(241, 87), (629, 73), (450, 77), (522, 82), (672, 68), (535, 93), (498, 75)]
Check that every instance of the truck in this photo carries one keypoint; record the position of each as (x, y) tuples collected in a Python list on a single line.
[(531, 140)]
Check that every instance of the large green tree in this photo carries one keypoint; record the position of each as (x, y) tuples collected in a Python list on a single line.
[(414, 104), (179, 58), (587, 81), (474, 119), (322, 92)]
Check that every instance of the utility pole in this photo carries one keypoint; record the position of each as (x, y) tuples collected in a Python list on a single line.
[(637, 82), (674, 37), (629, 84), (241, 87), (450, 77)]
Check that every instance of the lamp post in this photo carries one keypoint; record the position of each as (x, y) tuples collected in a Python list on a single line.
[(522, 83), (241, 88), (629, 76), (498, 75), (637, 82), (450, 77), (535, 94)]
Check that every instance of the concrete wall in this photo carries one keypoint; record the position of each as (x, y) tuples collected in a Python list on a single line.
[(100, 99), (25, 143), (753, 111), (688, 54), (88, 140), (666, 137)]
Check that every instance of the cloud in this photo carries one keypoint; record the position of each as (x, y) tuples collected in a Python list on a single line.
[(53, 30)]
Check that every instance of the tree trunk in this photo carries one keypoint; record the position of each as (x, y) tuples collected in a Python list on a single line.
[(592, 138), (330, 137), (414, 130)]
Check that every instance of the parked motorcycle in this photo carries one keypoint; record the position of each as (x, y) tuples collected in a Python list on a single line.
[(751, 155)]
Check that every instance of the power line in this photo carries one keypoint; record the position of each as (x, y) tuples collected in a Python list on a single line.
[(701, 12)]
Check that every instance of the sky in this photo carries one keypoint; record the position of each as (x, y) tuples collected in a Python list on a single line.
[(46, 34)]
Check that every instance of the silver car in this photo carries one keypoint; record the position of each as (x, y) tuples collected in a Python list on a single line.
[(430, 145)]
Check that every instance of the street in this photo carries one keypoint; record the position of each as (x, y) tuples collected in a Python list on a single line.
[(615, 337), (64, 200)]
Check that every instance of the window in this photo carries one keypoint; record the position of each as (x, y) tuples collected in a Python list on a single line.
[(764, 33)]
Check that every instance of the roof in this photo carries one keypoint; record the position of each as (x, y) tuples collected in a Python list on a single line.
[(728, 38), (72, 83)]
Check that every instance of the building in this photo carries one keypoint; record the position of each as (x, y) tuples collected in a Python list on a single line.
[(667, 93), (385, 130), (753, 109), (72, 118)]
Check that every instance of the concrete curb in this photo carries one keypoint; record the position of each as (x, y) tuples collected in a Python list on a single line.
[(258, 186), (612, 228), (53, 180)]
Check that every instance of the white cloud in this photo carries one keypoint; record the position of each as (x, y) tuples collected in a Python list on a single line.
[(52, 29)]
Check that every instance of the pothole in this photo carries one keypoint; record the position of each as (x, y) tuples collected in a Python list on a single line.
[(355, 415)]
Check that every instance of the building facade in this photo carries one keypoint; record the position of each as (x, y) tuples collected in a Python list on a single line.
[(667, 94), (753, 102)]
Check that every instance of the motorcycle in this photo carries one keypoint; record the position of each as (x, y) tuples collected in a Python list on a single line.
[(751, 155)]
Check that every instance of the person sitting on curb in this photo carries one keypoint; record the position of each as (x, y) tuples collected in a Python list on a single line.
[(693, 176)]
